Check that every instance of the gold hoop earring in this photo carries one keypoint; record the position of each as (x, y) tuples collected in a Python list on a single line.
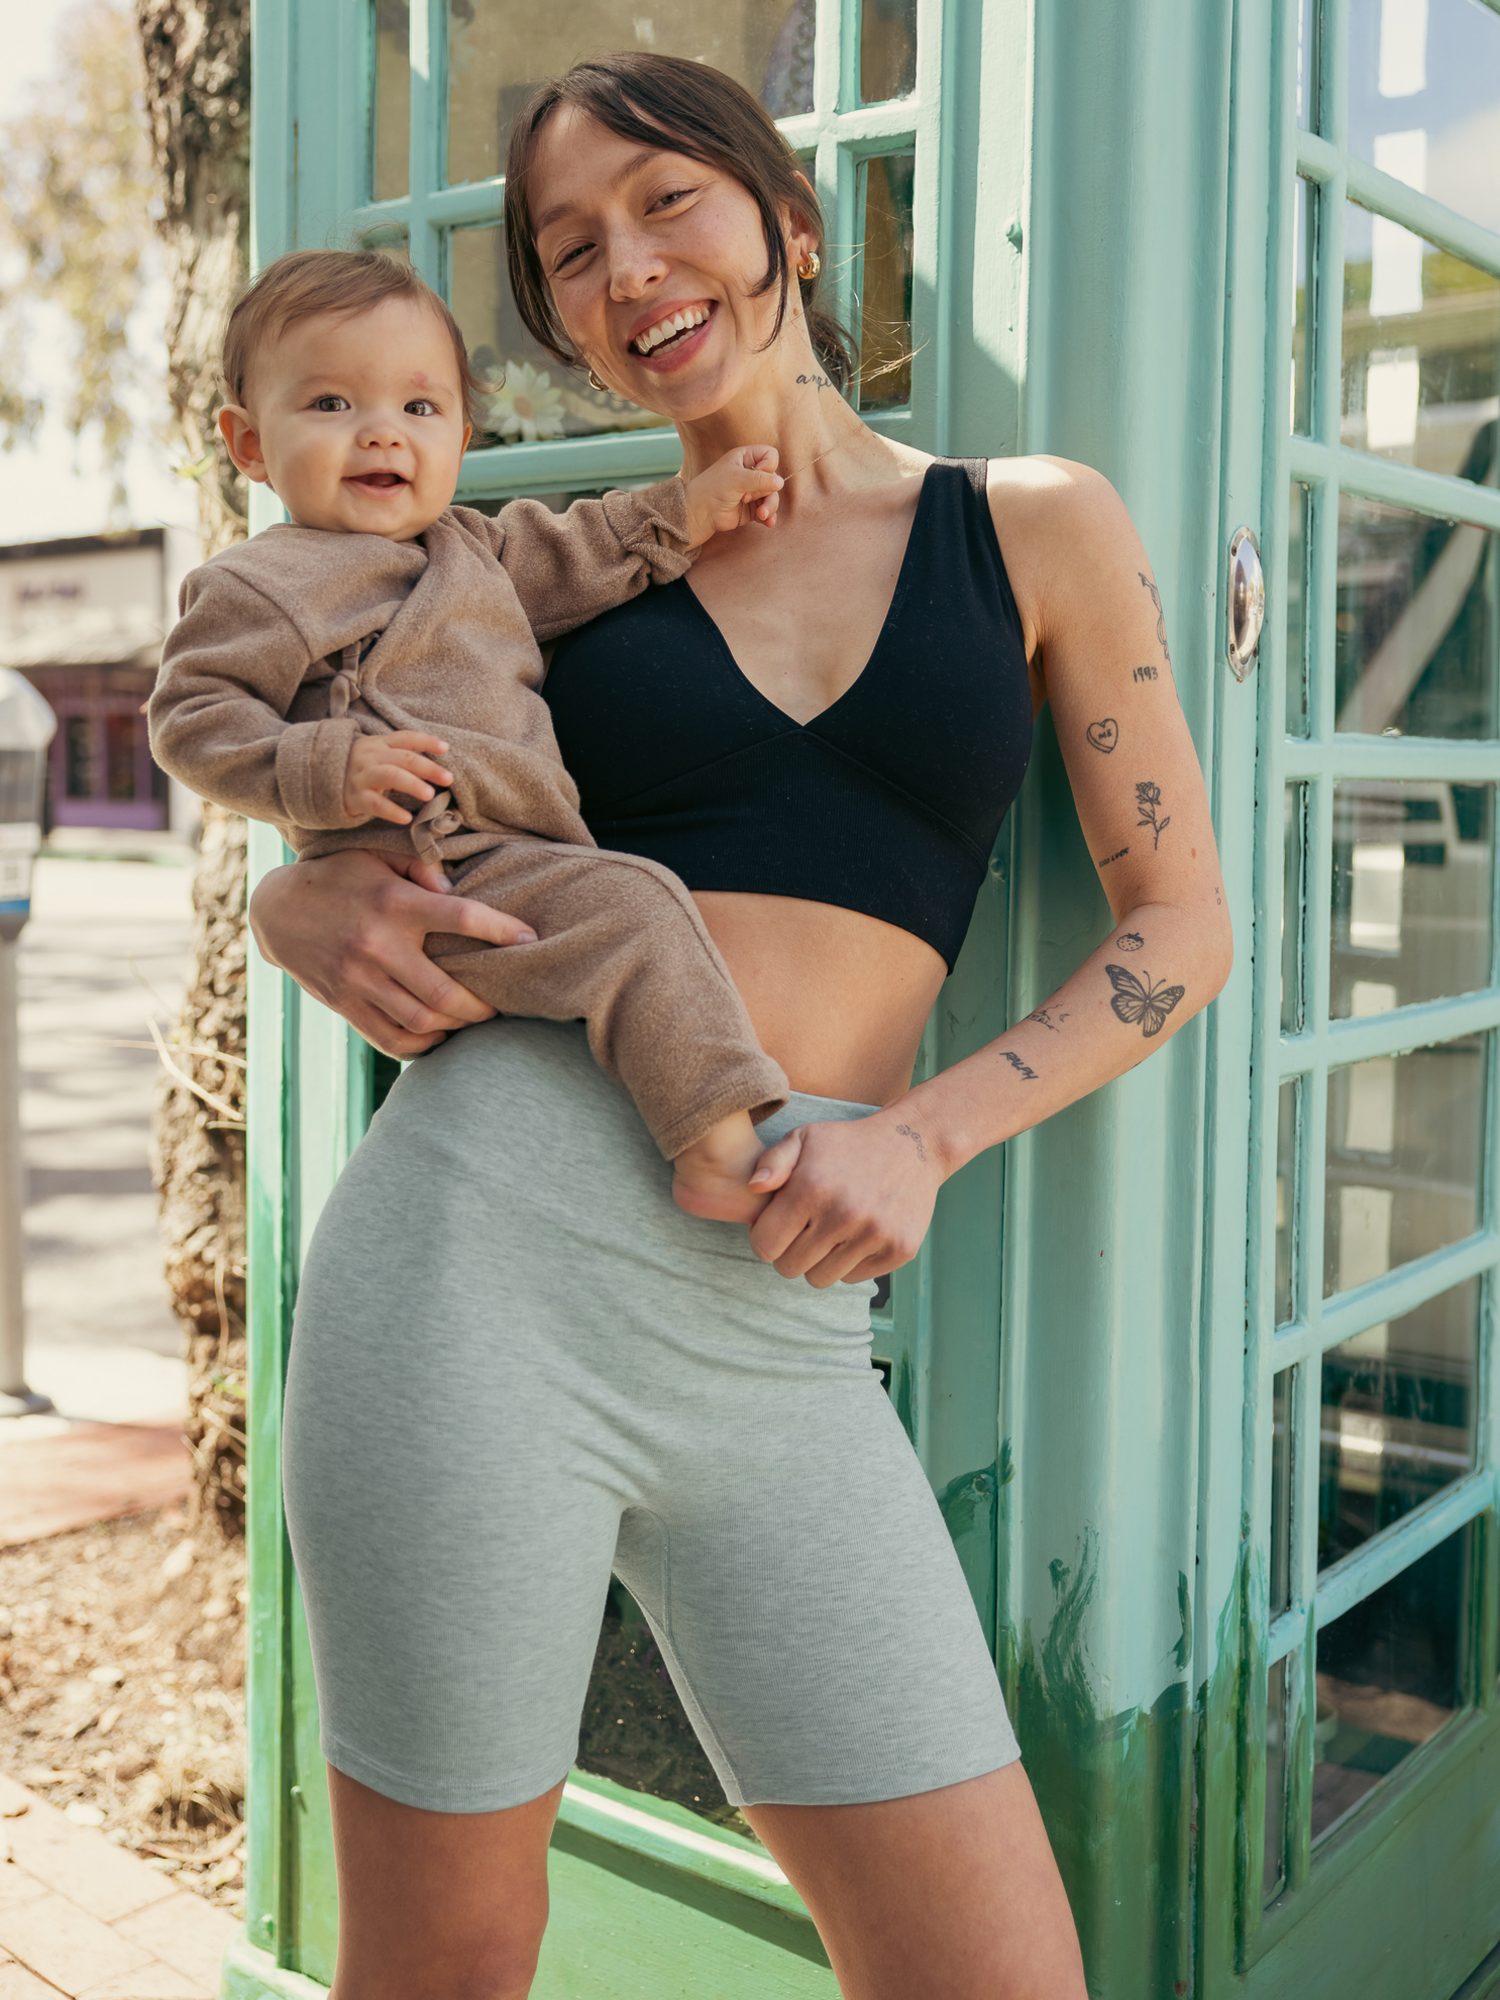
[(809, 270), (595, 383)]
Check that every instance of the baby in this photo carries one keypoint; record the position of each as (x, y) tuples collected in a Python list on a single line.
[(367, 677)]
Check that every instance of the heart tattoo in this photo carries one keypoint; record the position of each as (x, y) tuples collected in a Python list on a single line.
[(1104, 735)]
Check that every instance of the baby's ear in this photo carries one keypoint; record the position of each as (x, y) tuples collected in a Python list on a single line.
[(242, 441)]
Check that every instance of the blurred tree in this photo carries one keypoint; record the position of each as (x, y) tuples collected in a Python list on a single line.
[(197, 113), (80, 198)]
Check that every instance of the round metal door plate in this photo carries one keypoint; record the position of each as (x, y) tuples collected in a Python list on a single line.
[(1247, 602)]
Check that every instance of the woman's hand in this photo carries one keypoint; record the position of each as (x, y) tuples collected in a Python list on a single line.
[(853, 1198), (351, 928)]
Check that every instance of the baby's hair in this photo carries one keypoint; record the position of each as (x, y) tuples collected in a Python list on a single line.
[(304, 283)]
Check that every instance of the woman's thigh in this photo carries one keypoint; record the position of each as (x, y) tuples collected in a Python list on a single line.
[(944, 1896), (438, 1906)]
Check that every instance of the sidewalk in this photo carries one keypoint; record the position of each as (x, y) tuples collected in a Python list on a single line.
[(79, 1917)]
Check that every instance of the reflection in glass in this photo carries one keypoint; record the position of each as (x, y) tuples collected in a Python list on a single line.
[(885, 186), (391, 107), (531, 396), (1307, 31), (1298, 541), (1293, 906), (1389, 1677), (1416, 629), (1424, 83), (887, 50), (499, 50), (1403, 1159), (1304, 226), (1283, 1457), (1274, 1876), (1412, 865), (1421, 366), (1397, 1420), (1286, 1197)]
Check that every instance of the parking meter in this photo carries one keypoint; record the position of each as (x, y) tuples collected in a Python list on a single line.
[(27, 726)]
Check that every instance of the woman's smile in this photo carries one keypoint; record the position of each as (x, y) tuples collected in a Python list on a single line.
[(671, 332)]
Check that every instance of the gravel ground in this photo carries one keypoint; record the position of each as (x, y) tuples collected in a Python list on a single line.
[(122, 1665)]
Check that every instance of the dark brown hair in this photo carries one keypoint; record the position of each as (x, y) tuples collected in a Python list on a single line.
[(673, 105), (307, 282)]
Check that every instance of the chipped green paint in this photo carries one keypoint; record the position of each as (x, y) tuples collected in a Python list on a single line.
[(1116, 1793), (968, 1505), (1007, 1463), (1183, 1650)]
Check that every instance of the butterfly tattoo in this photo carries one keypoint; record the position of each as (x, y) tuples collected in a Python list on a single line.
[(1137, 1000)]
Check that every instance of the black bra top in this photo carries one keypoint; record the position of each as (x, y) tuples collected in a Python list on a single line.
[(887, 802)]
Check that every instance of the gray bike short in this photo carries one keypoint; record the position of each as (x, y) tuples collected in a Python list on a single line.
[(517, 1366)]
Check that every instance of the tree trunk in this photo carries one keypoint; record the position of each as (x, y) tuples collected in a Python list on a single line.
[(198, 1159), (197, 57)]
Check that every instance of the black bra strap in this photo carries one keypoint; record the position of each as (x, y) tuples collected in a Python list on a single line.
[(976, 468)]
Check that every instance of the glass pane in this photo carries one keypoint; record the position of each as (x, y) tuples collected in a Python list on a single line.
[(1307, 22), (1389, 1677), (1299, 521), (390, 112), (886, 268), (887, 50), (1424, 85), (1398, 1419), (1416, 626), (1275, 1863), (532, 396), (78, 756), (1304, 221), (1286, 1198), (1412, 864), (499, 50), (1282, 1457), (1403, 1159), (1421, 370), (1293, 906)]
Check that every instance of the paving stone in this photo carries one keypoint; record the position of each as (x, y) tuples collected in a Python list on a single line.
[(66, 1945), (16, 1886), (150, 1982), (186, 1933), (77, 1862), (16, 1983)]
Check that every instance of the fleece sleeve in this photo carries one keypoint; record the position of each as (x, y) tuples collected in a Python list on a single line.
[(230, 670), (567, 568)]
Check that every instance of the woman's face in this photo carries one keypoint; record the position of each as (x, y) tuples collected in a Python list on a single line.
[(652, 258)]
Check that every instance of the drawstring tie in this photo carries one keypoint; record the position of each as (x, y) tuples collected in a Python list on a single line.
[(344, 688)]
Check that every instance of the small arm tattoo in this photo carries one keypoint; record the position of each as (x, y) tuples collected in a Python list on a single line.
[(911, 1132), (1139, 1002), (1044, 1019), (1021, 1069), (1104, 735), (1161, 616), (1148, 802), (1129, 941), (1119, 851), (1144, 674)]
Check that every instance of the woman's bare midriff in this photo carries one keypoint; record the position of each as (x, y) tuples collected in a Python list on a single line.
[(838, 998)]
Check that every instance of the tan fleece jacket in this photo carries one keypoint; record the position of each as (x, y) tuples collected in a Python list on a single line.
[(263, 689)]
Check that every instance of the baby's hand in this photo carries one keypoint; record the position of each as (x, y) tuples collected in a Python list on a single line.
[(398, 762), (740, 487)]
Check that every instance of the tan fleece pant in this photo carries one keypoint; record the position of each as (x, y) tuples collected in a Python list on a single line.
[(620, 946)]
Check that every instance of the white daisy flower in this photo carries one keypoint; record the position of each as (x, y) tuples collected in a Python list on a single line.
[(523, 403)]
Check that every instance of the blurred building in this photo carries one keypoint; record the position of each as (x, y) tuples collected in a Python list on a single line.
[(83, 619)]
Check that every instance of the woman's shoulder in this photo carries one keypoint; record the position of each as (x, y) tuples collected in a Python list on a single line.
[(1053, 517)]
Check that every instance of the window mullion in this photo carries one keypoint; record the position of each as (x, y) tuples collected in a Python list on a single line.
[(428, 126)]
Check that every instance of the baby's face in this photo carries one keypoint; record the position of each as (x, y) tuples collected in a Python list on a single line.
[(355, 421)]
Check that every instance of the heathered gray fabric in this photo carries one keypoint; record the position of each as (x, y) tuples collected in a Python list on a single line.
[(517, 1365)]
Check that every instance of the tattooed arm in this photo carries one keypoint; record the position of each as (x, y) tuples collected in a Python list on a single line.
[(1096, 636)]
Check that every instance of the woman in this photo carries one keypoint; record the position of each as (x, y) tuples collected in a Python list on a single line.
[(820, 729)]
